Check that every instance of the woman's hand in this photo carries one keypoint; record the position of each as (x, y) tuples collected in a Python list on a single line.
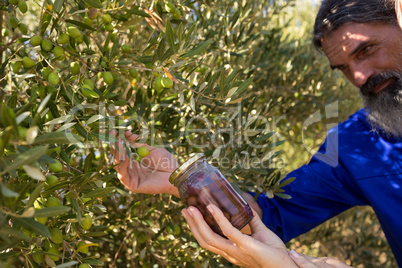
[(304, 261), (149, 176), (262, 249)]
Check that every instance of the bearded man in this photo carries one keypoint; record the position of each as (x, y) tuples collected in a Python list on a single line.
[(360, 162)]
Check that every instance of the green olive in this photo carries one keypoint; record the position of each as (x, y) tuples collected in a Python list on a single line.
[(45, 73), (89, 83), (55, 167), (38, 255), (16, 66), (133, 73), (63, 39), (109, 27), (73, 32), (41, 91), (108, 78), (36, 40), (176, 15), (126, 48), (86, 223), (54, 251), (14, 22), (143, 151), (23, 28), (58, 52), (56, 236), (53, 202), (28, 62), (47, 45), (107, 18), (23, 7), (51, 180), (74, 68), (54, 79), (88, 21), (166, 82), (158, 84), (170, 7)]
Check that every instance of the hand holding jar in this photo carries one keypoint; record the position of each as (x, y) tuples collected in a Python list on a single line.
[(201, 184)]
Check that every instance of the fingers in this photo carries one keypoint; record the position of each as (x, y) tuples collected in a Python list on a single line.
[(300, 260), (132, 138), (256, 224), (227, 228), (304, 261), (207, 238)]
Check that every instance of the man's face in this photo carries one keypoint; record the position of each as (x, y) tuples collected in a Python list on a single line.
[(370, 56)]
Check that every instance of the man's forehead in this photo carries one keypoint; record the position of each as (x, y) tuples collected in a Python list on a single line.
[(346, 39), (348, 32)]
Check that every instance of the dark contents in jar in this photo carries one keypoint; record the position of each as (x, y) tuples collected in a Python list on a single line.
[(202, 189)]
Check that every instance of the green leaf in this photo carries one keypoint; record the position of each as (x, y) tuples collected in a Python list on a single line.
[(197, 49), (10, 232), (6, 192), (81, 24), (94, 3), (26, 158), (67, 264), (115, 49), (286, 182), (51, 211), (243, 86), (137, 12), (59, 120), (34, 226), (76, 208), (8, 118), (46, 18), (259, 170), (272, 145), (99, 192), (35, 194), (58, 138), (284, 196), (3, 66), (105, 137), (94, 262), (170, 36), (58, 4), (92, 234)]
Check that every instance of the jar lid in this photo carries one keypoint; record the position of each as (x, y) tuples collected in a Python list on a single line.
[(186, 165)]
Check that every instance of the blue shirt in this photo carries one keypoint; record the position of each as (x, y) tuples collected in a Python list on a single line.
[(355, 166)]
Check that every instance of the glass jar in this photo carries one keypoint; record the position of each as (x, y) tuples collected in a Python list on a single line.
[(201, 184)]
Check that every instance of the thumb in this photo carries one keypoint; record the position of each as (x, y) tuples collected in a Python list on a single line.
[(256, 224)]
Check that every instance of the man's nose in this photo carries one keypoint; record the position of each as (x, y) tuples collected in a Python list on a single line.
[(360, 74)]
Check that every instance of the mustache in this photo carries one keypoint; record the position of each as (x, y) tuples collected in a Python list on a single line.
[(378, 79)]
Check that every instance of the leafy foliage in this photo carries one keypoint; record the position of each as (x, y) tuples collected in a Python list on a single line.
[(193, 76)]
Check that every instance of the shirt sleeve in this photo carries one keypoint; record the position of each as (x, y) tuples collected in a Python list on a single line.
[(321, 190)]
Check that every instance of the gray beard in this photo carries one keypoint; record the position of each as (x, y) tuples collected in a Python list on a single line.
[(385, 108)]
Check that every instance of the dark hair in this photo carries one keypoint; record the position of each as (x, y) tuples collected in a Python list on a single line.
[(334, 13)]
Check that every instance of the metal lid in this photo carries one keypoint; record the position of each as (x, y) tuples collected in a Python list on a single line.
[(183, 167)]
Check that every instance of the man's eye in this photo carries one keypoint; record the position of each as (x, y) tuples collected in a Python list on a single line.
[(342, 67), (366, 49)]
